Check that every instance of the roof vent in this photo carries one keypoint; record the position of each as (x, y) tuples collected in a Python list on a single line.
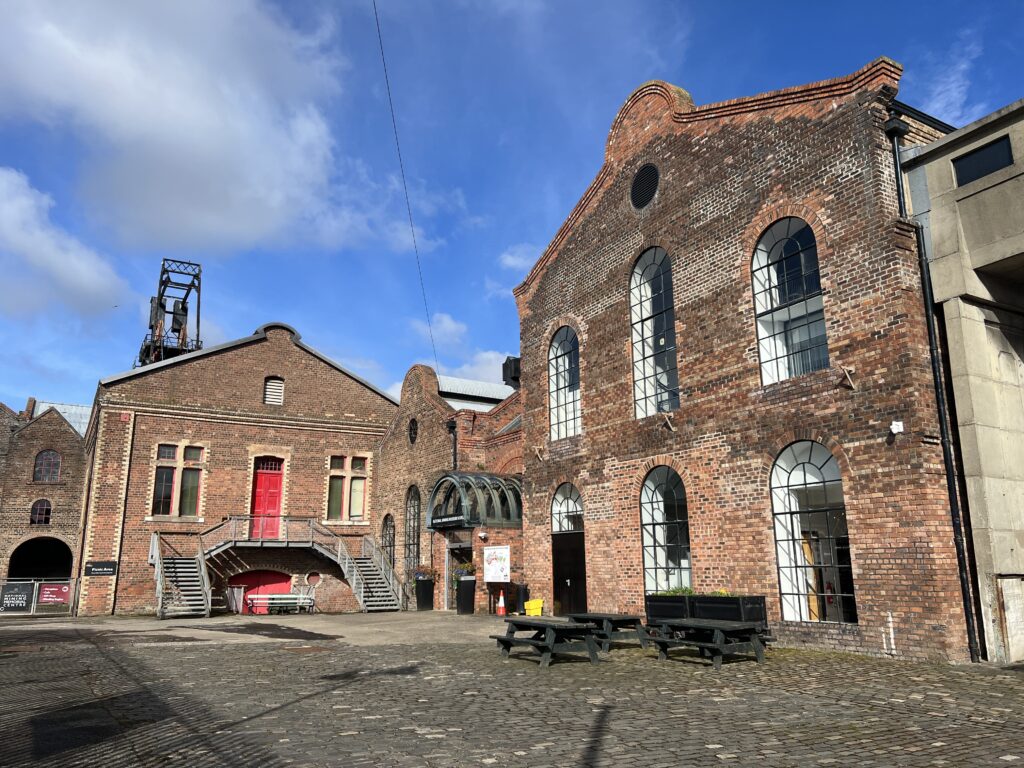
[(645, 186)]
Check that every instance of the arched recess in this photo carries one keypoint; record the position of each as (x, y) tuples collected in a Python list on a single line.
[(261, 582), (42, 557), (387, 538)]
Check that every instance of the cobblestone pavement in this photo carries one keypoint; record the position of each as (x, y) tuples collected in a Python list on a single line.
[(318, 691)]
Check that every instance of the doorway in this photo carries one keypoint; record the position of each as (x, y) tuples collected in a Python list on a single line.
[(268, 476), (457, 554), (569, 573), (40, 558), (255, 583)]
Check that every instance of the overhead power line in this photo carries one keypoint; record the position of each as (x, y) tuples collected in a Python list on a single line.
[(405, 188)]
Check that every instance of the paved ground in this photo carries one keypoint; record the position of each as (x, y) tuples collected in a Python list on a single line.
[(429, 690)]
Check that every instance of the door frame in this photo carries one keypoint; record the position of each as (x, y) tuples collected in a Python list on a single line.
[(256, 471)]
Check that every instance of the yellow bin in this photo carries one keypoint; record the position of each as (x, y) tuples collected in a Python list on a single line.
[(533, 607)]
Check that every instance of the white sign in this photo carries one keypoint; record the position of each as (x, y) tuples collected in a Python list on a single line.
[(497, 563)]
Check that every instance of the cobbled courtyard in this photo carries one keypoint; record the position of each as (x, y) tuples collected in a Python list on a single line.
[(431, 690)]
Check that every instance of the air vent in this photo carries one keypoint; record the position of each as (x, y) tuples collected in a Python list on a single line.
[(414, 430), (645, 186), (273, 391)]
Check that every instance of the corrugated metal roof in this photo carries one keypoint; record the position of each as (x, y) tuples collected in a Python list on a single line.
[(450, 385), (77, 415)]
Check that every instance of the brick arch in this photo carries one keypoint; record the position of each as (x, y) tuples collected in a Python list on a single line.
[(580, 328), (637, 481), (795, 436), (5, 561), (510, 464), (768, 216)]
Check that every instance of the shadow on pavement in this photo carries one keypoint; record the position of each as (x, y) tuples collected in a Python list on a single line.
[(273, 631)]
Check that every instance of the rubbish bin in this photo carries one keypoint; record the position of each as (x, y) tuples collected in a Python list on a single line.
[(424, 594), (522, 595), (465, 595)]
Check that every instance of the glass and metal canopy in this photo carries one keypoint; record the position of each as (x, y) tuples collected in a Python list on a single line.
[(467, 499)]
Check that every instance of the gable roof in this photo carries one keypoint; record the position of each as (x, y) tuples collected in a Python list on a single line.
[(43, 415), (260, 334), (75, 415), (470, 393)]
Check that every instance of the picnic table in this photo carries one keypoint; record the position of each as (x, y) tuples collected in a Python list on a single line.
[(613, 626), (548, 637), (711, 637)]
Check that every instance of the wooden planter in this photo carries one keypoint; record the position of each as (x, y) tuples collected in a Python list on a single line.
[(729, 608), (667, 607)]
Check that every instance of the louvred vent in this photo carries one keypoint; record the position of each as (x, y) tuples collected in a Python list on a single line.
[(645, 186)]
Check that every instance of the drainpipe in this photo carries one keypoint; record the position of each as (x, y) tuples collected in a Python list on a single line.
[(452, 424), (896, 129)]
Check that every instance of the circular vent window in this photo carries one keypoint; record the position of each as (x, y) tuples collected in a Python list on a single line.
[(645, 186), (414, 430)]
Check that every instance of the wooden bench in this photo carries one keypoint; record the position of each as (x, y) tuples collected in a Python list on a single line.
[(548, 638), (711, 637), (286, 603)]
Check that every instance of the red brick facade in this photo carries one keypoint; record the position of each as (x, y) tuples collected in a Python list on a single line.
[(727, 172)]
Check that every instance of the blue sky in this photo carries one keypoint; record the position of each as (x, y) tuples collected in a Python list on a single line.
[(255, 138)]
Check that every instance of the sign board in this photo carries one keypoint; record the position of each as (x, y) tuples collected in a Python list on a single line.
[(451, 521), (54, 594), (497, 563), (101, 568), (16, 597)]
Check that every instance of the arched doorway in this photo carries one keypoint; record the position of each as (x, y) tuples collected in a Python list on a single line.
[(260, 583), (387, 538), (568, 552), (40, 558)]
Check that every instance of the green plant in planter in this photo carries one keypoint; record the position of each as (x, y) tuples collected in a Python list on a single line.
[(675, 592), (463, 569), (723, 593)]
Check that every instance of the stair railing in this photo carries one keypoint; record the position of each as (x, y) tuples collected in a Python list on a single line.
[(156, 558), (335, 544), (372, 551), (205, 578)]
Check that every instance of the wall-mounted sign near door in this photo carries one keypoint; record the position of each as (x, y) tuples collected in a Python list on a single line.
[(101, 568), (16, 597)]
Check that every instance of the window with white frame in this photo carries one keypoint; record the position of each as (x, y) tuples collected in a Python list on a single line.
[(346, 488), (564, 384), (566, 510), (788, 302), (652, 319), (664, 531), (811, 538)]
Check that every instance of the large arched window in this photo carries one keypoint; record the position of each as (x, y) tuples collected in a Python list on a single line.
[(811, 539), (387, 539), (665, 531), (652, 317), (412, 529), (564, 384), (40, 513), (788, 302), (47, 467), (566, 510)]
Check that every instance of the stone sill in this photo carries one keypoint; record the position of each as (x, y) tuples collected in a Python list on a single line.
[(173, 519), (345, 523)]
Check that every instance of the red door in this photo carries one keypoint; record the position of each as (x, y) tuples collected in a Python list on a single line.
[(260, 583), (266, 498)]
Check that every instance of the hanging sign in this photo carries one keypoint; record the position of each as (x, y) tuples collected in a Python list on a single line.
[(16, 597), (101, 568), (497, 564)]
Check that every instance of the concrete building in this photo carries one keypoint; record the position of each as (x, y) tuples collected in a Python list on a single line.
[(967, 191)]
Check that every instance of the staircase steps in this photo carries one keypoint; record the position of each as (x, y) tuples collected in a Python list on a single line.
[(377, 595), (183, 588)]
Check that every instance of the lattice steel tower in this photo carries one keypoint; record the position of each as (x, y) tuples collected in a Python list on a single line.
[(179, 280)]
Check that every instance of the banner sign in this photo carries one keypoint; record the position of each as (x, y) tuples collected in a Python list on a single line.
[(451, 521), (497, 563), (54, 594), (101, 568), (16, 597)]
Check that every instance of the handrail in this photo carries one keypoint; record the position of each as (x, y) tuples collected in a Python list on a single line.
[(205, 576), (156, 556), (345, 560), (371, 550)]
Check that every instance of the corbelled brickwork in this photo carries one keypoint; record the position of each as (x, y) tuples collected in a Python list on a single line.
[(727, 172)]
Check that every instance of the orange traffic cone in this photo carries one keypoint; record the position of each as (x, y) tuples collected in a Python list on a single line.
[(501, 603)]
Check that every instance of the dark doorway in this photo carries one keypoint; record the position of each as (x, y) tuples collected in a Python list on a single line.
[(569, 573), (456, 556), (41, 558)]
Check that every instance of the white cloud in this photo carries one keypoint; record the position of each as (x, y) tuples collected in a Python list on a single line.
[(521, 256), (948, 95), (42, 263), (448, 332), (482, 366), (495, 289)]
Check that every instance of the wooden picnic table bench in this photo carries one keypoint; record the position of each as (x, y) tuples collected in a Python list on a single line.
[(711, 637), (548, 637), (281, 603), (613, 626)]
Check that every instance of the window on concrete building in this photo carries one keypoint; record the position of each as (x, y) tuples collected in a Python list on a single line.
[(412, 529), (652, 318), (665, 531), (564, 384), (178, 479), (40, 513), (811, 538), (47, 467), (346, 474), (273, 390), (983, 161), (566, 509), (788, 302)]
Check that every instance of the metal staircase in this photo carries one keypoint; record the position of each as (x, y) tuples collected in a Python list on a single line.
[(182, 583), (377, 593)]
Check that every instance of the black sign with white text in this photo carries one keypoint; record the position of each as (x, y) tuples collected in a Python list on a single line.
[(16, 597), (101, 568)]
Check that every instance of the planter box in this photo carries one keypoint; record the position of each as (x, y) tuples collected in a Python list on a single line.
[(667, 607), (465, 595), (731, 608), (424, 594)]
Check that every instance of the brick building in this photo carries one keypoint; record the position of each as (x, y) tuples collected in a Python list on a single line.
[(262, 445), (714, 347)]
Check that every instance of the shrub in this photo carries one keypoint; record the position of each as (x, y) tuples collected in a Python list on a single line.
[(675, 591)]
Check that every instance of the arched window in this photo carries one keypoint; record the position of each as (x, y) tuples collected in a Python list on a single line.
[(47, 467), (564, 384), (811, 539), (40, 514), (665, 531), (652, 317), (787, 302), (566, 510), (412, 529), (273, 390), (387, 538)]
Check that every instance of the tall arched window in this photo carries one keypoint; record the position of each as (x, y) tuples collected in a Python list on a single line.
[(652, 317), (811, 539), (665, 531), (387, 538), (47, 467), (566, 509), (564, 384), (788, 302), (40, 514), (412, 529)]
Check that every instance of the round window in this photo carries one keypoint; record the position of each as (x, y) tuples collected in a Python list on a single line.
[(645, 186), (414, 429), (313, 578)]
